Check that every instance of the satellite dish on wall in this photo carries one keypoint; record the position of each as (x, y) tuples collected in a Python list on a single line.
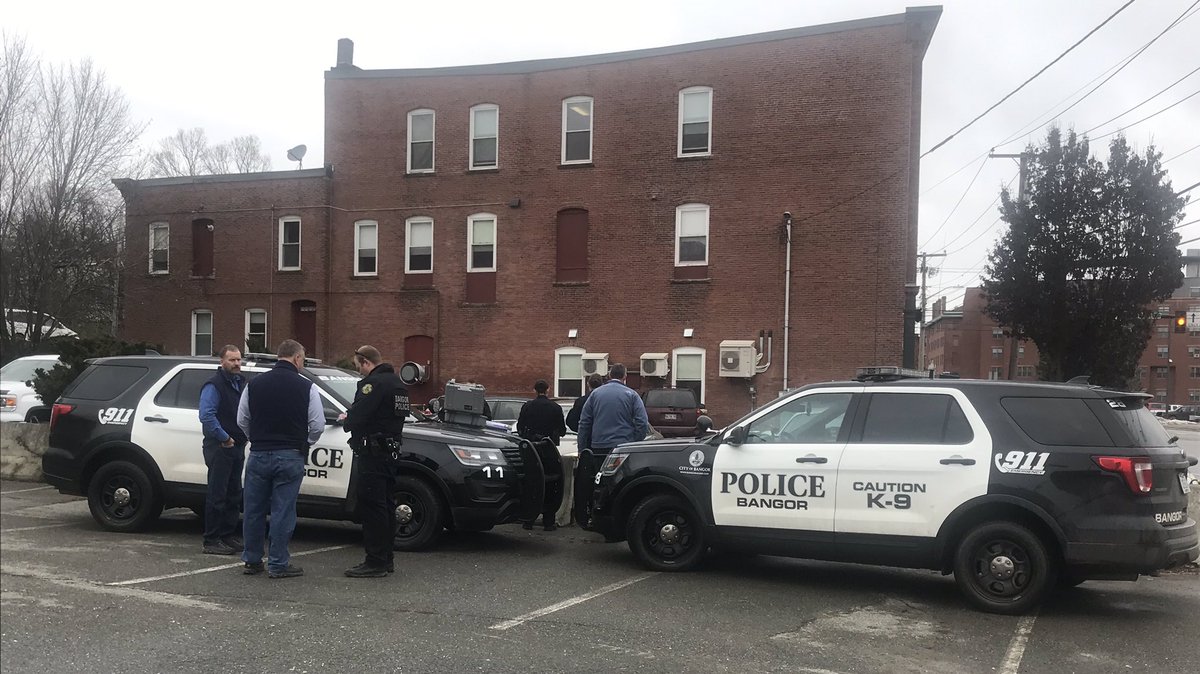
[(297, 154)]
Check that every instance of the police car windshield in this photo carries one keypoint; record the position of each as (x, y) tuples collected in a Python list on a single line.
[(341, 384)]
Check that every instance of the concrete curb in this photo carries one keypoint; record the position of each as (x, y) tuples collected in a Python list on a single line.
[(21, 449)]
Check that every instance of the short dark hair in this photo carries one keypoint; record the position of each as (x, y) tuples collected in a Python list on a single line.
[(289, 348), (369, 354), (226, 349), (541, 386), (595, 381), (617, 371)]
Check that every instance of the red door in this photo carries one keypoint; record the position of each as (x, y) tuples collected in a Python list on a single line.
[(304, 325)]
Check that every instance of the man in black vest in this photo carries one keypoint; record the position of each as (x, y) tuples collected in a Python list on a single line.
[(224, 448), (281, 413), (541, 422), (593, 383), (375, 422)]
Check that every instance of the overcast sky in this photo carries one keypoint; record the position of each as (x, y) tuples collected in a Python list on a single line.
[(256, 67)]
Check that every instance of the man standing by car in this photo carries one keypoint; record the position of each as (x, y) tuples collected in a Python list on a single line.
[(375, 422), (224, 446), (541, 422), (593, 383), (613, 414), (281, 413)]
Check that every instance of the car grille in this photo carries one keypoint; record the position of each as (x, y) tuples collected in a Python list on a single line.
[(513, 456)]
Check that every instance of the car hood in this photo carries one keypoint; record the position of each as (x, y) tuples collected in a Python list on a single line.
[(664, 445), (17, 387), (434, 431)]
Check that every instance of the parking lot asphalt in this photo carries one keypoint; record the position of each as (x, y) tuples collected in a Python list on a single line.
[(76, 598)]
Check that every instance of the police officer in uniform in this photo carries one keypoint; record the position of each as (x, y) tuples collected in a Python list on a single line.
[(375, 422), (541, 422)]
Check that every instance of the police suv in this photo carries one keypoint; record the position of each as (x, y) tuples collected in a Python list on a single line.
[(1012, 487), (126, 433)]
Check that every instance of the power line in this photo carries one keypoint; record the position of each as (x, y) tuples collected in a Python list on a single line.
[(956, 205), (977, 236), (1185, 224), (1161, 92), (980, 216), (1194, 147), (1032, 78), (1150, 116)]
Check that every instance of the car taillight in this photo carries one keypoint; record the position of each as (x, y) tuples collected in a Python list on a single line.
[(1137, 471), (57, 411)]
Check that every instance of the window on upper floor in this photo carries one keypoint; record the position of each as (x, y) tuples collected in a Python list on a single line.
[(997, 333), (420, 141), (571, 241), (695, 121), (418, 246), (160, 248), (577, 130), (485, 136), (691, 235), (366, 248), (481, 242), (289, 243), (202, 247)]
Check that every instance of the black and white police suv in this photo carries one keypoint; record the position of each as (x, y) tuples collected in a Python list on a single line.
[(1012, 487), (126, 433)]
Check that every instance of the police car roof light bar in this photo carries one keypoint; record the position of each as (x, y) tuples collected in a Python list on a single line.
[(270, 357), (889, 373)]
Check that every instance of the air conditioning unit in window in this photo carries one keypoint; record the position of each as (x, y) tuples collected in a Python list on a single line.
[(595, 363), (655, 365), (738, 358)]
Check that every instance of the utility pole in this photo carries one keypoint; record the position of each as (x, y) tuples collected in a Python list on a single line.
[(921, 365), (1015, 340)]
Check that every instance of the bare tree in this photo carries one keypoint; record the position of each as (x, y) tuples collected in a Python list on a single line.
[(188, 153), (248, 155)]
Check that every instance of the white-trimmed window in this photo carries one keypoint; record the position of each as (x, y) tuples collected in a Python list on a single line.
[(695, 121), (256, 331), (481, 242), (568, 372), (289, 243), (160, 248), (418, 246), (202, 333), (421, 125), (994, 373), (485, 136), (577, 130), (691, 235), (366, 248), (687, 370)]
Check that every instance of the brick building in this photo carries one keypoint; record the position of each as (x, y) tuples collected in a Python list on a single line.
[(498, 222)]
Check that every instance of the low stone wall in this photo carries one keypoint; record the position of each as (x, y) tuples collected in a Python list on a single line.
[(21, 449)]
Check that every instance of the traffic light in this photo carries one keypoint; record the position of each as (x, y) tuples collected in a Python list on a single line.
[(1181, 321)]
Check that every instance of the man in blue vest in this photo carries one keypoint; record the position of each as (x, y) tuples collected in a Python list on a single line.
[(224, 447), (281, 413)]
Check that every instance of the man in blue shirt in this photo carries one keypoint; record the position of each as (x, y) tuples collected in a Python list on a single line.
[(224, 448), (613, 414), (282, 415)]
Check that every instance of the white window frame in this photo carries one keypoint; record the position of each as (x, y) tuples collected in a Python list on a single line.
[(679, 123), (471, 146), (150, 254), (432, 141), (211, 327), (688, 208), (567, 102), (568, 351), (408, 224), (690, 351), (358, 227), (470, 240), (299, 241), (266, 317)]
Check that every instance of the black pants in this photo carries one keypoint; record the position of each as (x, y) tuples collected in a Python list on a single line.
[(590, 462), (553, 501), (377, 506), (223, 501)]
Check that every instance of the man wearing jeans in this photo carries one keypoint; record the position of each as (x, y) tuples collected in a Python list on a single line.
[(224, 448), (281, 413)]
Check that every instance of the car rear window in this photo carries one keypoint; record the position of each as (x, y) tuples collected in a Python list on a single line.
[(1138, 422), (105, 382), (1057, 421), (670, 398)]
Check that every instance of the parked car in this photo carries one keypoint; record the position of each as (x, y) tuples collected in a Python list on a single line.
[(126, 434), (1182, 412), (672, 411), (505, 410), (18, 400), (1157, 409), (1014, 488), (20, 325)]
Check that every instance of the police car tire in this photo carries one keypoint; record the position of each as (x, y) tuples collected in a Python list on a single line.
[(144, 503), (644, 534), (427, 515), (1034, 571)]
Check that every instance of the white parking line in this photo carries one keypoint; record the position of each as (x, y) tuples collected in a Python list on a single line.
[(1016, 647), (509, 624), (22, 491), (40, 526), (194, 572)]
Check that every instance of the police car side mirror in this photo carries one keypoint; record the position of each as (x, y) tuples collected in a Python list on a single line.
[(703, 424), (737, 435)]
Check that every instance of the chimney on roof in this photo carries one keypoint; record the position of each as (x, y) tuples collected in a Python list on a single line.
[(345, 53)]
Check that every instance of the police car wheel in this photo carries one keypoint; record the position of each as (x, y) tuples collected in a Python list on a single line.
[(1003, 567), (122, 497), (665, 534), (418, 515)]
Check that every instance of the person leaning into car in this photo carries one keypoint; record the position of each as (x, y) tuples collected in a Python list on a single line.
[(375, 422), (281, 413), (224, 447), (613, 414)]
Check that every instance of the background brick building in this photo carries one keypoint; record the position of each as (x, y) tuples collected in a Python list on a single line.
[(497, 222)]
